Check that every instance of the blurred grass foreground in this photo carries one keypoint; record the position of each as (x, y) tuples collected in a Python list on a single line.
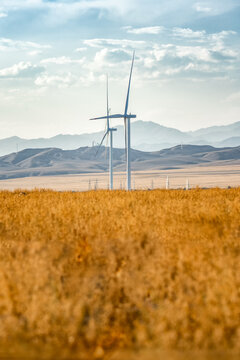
[(120, 275)]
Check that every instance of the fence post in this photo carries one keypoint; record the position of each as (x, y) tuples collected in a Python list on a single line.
[(167, 183)]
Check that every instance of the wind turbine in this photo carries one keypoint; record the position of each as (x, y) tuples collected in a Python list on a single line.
[(108, 131), (127, 126)]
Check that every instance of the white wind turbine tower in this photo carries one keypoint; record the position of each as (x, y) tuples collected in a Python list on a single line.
[(108, 131), (127, 127)]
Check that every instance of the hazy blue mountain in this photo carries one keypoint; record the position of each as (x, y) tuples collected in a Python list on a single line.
[(232, 141), (146, 136), (142, 132), (217, 133), (66, 142)]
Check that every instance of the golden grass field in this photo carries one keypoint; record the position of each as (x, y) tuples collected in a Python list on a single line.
[(120, 275)]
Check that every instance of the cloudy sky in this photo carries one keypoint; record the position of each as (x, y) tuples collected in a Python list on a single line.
[(54, 55)]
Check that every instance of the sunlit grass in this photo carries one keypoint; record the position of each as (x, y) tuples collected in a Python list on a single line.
[(85, 274)]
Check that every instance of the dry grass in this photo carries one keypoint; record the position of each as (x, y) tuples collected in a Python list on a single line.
[(83, 275), (201, 176)]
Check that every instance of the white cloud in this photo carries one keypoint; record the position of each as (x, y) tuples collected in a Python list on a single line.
[(221, 35), (71, 8), (194, 52), (201, 35), (125, 43), (136, 11), (21, 70), (213, 47), (60, 81), (81, 49), (63, 60), (188, 33), (109, 58), (197, 53), (214, 7), (9, 44), (154, 30), (35, 52), (61, 11), (114, 55), (216, 42), (63, 4), (184, 70), (202, 8), (3, 14), (149, 62), (17, 4), (212, 57), (206, 68)]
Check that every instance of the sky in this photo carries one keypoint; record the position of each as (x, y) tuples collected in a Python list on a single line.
[(55, 54)]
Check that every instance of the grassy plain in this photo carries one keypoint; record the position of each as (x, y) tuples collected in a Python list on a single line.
[(139, 275), (202, 176)]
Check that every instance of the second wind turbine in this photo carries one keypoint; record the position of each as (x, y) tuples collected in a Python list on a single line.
[(127, 127), (110, 131)]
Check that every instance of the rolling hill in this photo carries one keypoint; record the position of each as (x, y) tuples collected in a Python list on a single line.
[(55, 161)]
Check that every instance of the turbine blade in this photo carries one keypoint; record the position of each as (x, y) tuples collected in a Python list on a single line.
[(99, 146), (107, 145), (110, 117), (129, 86), (116, 116), (125, 134), (107, 106)]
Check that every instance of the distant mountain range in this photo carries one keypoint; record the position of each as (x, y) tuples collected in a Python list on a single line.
[(146, 136), (54, 161)]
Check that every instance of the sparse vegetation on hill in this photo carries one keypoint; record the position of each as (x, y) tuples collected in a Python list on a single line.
[(50, 161), (85, 274)]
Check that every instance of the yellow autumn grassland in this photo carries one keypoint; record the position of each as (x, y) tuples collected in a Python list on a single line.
[(84, 275)]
